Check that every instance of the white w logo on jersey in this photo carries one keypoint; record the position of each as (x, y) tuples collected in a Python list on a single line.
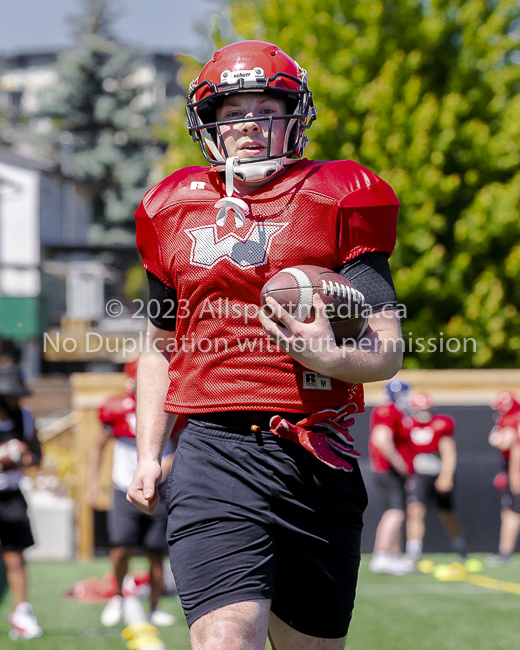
[(207, 250)]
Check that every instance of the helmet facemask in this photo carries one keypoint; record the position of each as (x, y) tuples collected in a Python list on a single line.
[(205, 130)]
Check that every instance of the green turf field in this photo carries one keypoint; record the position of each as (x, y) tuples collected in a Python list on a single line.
[(414, 612)]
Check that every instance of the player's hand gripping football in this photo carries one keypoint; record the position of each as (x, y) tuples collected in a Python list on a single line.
[(143, 489), (311, 344)]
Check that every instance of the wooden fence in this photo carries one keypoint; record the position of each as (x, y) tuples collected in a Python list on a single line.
[(89, 390)]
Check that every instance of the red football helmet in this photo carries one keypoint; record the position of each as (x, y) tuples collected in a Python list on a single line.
[(421, 406), (245, 67), (504, 402), (421, 402)]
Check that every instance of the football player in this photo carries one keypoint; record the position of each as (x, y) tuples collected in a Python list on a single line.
[(434, 462), (16, 426), (265, 495), (127, 526), (505, 436), (391, 462)]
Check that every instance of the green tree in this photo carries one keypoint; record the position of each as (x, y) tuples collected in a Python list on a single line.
[(427, 94), (105, 104)]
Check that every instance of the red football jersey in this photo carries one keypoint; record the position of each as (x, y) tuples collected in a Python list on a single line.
[(315, 213), (390, 416), (511, 419), (118, 413), (424, 438)]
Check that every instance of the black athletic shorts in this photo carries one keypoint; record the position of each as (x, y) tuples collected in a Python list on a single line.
[(391, 487), (15, 529), (510, 501), (252, 516), (421, 488), (129, 527)]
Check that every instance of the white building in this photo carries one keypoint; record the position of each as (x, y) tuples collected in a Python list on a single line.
[(48, 266), (39, 207), (26, 76)]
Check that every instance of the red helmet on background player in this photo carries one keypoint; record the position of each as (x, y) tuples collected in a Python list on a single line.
[(421, 406), (245, 67), (421, 402), (504, 402)]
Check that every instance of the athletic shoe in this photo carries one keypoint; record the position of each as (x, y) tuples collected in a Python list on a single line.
[(378, 563), (396, 565), (133, 611), (24, 624), (162, 619), (113, 612), (498, 560), (460, 547), (401, 565)]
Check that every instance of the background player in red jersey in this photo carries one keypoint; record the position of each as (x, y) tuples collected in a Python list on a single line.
[(505, 436), (391, 462), (434, 462), (261, 512), (127, 527)]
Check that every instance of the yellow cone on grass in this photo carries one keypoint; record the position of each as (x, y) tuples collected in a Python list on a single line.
[(441, 572), (142, 636), (457, 571), (426, 566), (473, 565), (139, 629), (146, 643)]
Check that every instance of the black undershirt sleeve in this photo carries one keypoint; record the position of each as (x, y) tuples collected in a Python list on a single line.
[(162, 304), (370, 274)]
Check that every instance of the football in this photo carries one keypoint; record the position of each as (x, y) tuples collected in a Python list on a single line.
[(11, 454), (295, 287)]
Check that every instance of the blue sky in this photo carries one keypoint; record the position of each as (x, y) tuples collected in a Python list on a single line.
[(162, 25)]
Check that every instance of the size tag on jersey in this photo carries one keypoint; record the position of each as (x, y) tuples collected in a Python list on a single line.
[(315, 381)]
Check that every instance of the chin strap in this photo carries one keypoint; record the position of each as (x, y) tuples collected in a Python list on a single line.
[(239, 207), (255, 172)]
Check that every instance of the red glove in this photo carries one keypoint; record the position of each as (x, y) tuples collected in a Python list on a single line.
[(326, 438), (501, 481)]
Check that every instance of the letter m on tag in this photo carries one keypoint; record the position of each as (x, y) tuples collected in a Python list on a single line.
[(315, 381)]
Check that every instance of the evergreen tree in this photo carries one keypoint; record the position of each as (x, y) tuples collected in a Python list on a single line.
[(427, 94), (106, 103)]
